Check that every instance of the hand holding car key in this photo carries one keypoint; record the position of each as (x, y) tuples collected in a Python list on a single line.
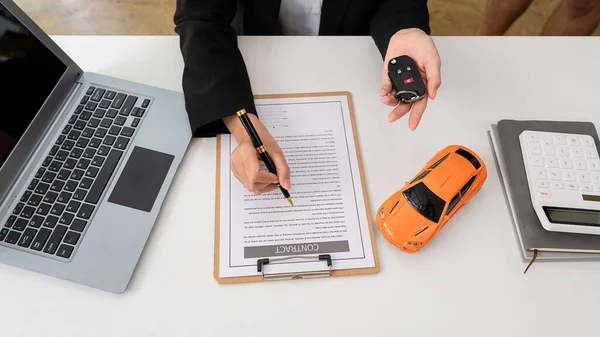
[(410, 48), (406, 79)]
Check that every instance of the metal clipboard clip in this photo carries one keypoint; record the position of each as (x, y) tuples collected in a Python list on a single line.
[(260, 266)]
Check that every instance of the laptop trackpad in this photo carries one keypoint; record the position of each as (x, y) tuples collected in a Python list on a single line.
[(141, 179)]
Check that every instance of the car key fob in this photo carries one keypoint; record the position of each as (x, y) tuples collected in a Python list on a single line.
[(406, 79)]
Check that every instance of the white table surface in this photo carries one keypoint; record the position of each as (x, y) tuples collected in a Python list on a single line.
[(468, 282)]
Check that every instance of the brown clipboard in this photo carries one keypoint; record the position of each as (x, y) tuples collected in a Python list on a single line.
[(334, 272)]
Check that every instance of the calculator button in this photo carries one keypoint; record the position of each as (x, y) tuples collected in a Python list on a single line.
[(535, 149), (562, 151), (539, 173), (565, 163), (533, 138), (576, 152), (595, 177), (586, 187), (560, 140), (587, 141), (556, 185), (583, 177), (597, 188), (537, 161), (571, 186), (569, 176), (547, 146), (544, 194), (548, 150), (573, 140), (579, 164), (594, 165), (554, 174), (551, 162), (542, 184), (590, 153)]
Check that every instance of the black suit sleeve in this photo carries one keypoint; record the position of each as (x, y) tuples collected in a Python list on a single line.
[(215, 78), (394, 15)]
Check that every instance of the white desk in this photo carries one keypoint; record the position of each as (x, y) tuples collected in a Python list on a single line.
[(468, 282)]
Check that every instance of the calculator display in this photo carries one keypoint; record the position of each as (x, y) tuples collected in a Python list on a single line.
[(573, 216)]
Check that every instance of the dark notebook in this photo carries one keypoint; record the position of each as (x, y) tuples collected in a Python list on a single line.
[(550, 245)]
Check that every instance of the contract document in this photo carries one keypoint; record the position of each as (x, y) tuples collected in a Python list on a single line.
[(330, 215)]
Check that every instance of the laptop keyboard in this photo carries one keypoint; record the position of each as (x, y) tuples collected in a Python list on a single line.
[(57, 206)]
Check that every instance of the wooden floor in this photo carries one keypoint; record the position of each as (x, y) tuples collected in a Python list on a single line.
[(155, 17)]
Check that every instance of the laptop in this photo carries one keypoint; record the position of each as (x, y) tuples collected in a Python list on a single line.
[(85, 160)]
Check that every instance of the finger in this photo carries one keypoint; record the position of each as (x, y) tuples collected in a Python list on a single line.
[(259, 188), (390, 100), (386, 86), (399, 111), (254, 173), (283, 170), (416, 113), (251, 163), (434, 80), (256, 176), (253, 187), (267, 188)]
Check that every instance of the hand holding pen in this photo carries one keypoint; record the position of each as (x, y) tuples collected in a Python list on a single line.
[(245, 158)]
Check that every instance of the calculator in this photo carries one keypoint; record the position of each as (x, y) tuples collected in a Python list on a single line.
[(563, 174)]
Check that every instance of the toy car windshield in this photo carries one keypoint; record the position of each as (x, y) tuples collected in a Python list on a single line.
[(425, 201)]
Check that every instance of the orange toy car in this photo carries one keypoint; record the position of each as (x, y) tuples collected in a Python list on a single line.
[(411, 217)]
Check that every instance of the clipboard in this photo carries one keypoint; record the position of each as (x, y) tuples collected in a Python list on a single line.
[(262, 264)]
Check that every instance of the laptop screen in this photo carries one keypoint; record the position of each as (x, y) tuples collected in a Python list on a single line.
[(28, 73)]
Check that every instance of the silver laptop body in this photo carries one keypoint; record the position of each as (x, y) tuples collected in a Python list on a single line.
[(85, 160)]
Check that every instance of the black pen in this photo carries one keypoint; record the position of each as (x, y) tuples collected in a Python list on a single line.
[(261, 149)]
